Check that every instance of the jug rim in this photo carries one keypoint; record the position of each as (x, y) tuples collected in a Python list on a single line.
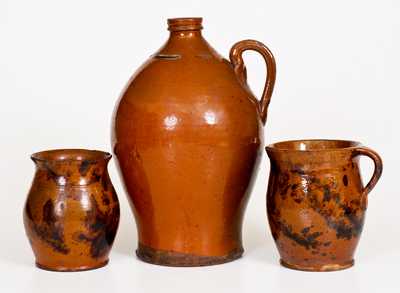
[(70, 155), (313, 145), (184, 23)]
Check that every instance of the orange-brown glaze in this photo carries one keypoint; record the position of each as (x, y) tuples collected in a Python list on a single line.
[(316, 201), (187, 133), (71, 214)]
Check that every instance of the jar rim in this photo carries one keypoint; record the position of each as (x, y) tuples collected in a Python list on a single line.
[(68, 155)]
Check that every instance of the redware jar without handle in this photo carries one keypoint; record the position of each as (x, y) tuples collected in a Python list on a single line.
[(71, 214), (187, 134)]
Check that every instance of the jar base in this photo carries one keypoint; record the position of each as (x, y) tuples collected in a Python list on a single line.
[(318, 268), (177, 259), (71, 269)]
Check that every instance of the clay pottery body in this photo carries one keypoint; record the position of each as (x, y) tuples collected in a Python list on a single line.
[(316, 201), (187, 133), (71, 214)]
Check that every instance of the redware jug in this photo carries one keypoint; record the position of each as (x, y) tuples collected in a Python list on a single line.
[(187, 134)]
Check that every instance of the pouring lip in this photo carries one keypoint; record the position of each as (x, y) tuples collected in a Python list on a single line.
[(70, 155), (185, 23), (313, 145)]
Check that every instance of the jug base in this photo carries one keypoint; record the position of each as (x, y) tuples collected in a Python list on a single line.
[(178, 259), (70, 269), (318, 268)]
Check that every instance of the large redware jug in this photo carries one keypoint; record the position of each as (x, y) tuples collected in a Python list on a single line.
[(187, 134)]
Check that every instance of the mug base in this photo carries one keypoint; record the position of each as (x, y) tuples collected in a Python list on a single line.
[(71, 269), (318, 268), (178, 259)]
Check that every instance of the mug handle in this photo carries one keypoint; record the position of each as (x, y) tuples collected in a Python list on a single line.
[(235, 56), (378, 167)]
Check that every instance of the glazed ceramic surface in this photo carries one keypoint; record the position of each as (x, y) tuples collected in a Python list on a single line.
[(72, 212), (316, 201), (187, 133)]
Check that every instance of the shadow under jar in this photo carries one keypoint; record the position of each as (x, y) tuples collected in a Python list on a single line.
[(316, 201), (71, 214)]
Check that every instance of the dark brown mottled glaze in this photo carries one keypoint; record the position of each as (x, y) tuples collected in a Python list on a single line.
[(188, 135), (316, 201), (71, 214)]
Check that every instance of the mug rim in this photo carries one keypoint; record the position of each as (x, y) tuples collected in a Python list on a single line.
[(70, 155), (352, 144)]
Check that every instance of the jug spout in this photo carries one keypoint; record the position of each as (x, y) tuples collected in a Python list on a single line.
[(185, 39), (185, 24)]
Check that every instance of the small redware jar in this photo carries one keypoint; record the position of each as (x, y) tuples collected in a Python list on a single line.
[(71, 214)]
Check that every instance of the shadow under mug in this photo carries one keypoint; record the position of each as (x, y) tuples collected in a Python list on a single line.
[(316, 201)]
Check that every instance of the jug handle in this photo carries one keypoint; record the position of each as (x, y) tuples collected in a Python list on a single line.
[(378, 167), (235, 56)]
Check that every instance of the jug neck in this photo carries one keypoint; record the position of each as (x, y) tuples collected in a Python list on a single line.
[(185, 40), (185, 27)]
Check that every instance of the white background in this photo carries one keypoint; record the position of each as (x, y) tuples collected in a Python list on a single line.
[(64, 63)]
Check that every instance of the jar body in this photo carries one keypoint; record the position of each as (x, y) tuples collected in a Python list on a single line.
[(187, 136), (71, 215)]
